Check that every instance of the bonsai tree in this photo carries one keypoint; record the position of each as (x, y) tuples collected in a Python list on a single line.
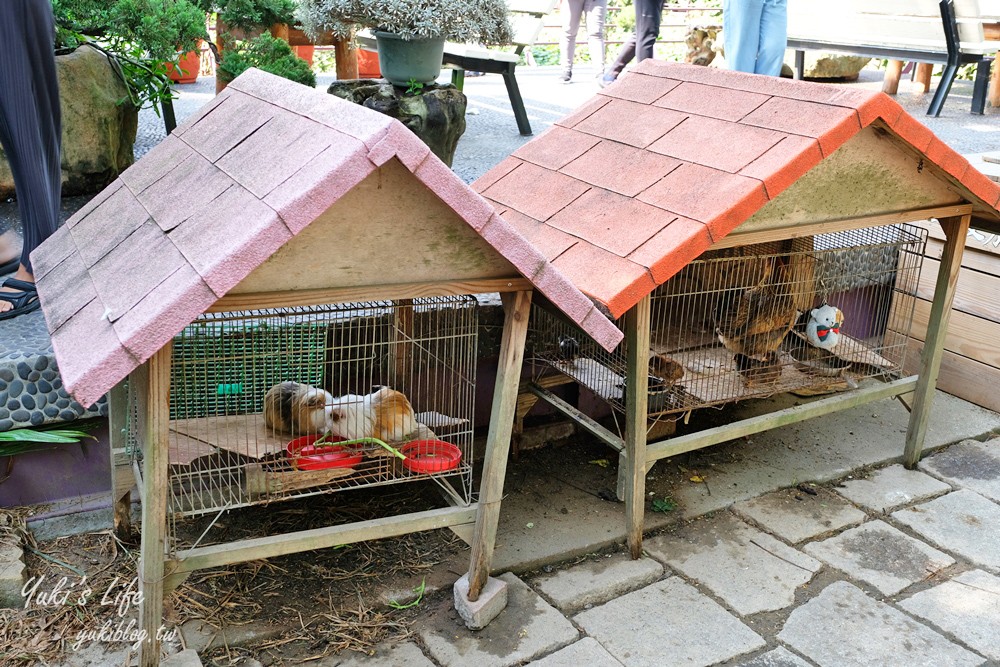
[(266, 53), (482, 21), (140, 35)]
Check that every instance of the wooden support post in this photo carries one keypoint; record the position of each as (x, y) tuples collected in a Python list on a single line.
[(890, 84), (151, 383), (401, 352), (515, 330), (280, 31), (636, 399), (220, 30), (956, 229), (121, 476), (346, 58), (923, 75)]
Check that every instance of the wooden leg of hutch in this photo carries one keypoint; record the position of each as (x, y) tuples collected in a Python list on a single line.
[(122, 478), (956, 229), (515, 330), (152, 387), (636, 398)]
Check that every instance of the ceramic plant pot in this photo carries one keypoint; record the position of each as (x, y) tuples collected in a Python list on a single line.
[(368, 65), (190, 64), (404, 60)]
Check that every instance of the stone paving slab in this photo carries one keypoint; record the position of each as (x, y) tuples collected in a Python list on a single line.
[(962, 522), (843, 626), (585, 653), (779, 657), (13, 573), (968, 607), (795, 516), (597, 581), (878, 554), (405, 654), (969, 464), (892, 487), (747, 568), (668, 623), (528, 628)]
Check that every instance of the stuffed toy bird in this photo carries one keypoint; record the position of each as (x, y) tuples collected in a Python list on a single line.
[(823, 327)]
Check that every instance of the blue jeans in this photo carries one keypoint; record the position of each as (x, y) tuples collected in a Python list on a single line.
[(755, 34)]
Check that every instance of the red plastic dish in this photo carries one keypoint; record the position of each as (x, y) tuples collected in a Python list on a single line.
[(430, 455), (304, 455)]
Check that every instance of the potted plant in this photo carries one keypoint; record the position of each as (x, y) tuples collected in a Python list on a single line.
[(410, 33), (266, 53)]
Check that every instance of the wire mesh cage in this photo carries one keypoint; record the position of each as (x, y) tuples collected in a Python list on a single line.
[(806, 315), (282, 403)]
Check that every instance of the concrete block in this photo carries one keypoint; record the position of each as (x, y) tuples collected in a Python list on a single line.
[(597, 581), (186, 658), (876, 553), (967, 606), (750, 570), (492, 600), (405, 654), (584, 652), (779, 657), (13, 574), (668, 622), (529, 628), (971, 465), (962, 522), (892, 487), (843, 626), (796, 516)]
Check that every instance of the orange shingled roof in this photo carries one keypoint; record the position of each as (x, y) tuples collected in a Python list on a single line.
[(645, 176)]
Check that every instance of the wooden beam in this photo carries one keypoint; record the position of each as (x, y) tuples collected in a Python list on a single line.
[(121, 476), (923, 76), (346, 58), (632, 474), (151, 383), (736, 237), (228, 553), (944, 294), (578, 417), (315, 297), (890, 83), (517, 306), (817, 408)]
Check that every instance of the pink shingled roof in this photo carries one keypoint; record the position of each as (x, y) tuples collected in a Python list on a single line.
[(216, 198), (647, 174)]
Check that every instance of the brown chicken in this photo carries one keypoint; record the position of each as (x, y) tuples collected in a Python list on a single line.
[(664, 368), (752, 322)]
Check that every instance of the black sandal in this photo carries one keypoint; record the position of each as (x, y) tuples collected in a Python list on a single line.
[(24, 300)]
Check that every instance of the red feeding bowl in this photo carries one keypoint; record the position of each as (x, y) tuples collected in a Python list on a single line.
[(305, 455), (430, 455)]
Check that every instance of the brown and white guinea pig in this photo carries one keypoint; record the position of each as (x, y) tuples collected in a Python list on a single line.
[(293, 407), (385, 414)]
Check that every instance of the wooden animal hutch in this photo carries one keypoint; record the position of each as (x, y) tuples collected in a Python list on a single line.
[(283, 234), (713, 214)]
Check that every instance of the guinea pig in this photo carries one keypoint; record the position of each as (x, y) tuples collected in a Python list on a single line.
[(293, 407), (385, 414)]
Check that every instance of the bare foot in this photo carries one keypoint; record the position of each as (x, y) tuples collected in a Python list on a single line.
[(21, 274)]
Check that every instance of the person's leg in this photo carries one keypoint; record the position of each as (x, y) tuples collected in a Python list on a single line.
[(773, 37), (30, 121), (741, 33), (596, 11), (624, 57), (571, 11), (647, 27)]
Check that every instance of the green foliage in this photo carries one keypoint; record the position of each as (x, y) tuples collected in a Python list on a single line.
[(141, 36), (419, 590), (414, 87), (21, 440), (665, 504), (249, 15), (268, 54)]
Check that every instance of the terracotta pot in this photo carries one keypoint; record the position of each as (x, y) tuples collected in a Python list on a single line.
[(190, 64), (305, 52), (368, 65)]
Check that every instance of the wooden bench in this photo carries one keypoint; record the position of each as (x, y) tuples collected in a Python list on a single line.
[(527, 19), (949, 32)]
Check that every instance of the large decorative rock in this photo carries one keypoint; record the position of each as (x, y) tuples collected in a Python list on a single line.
[(436, 113), (821, 65), (98, 132)]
